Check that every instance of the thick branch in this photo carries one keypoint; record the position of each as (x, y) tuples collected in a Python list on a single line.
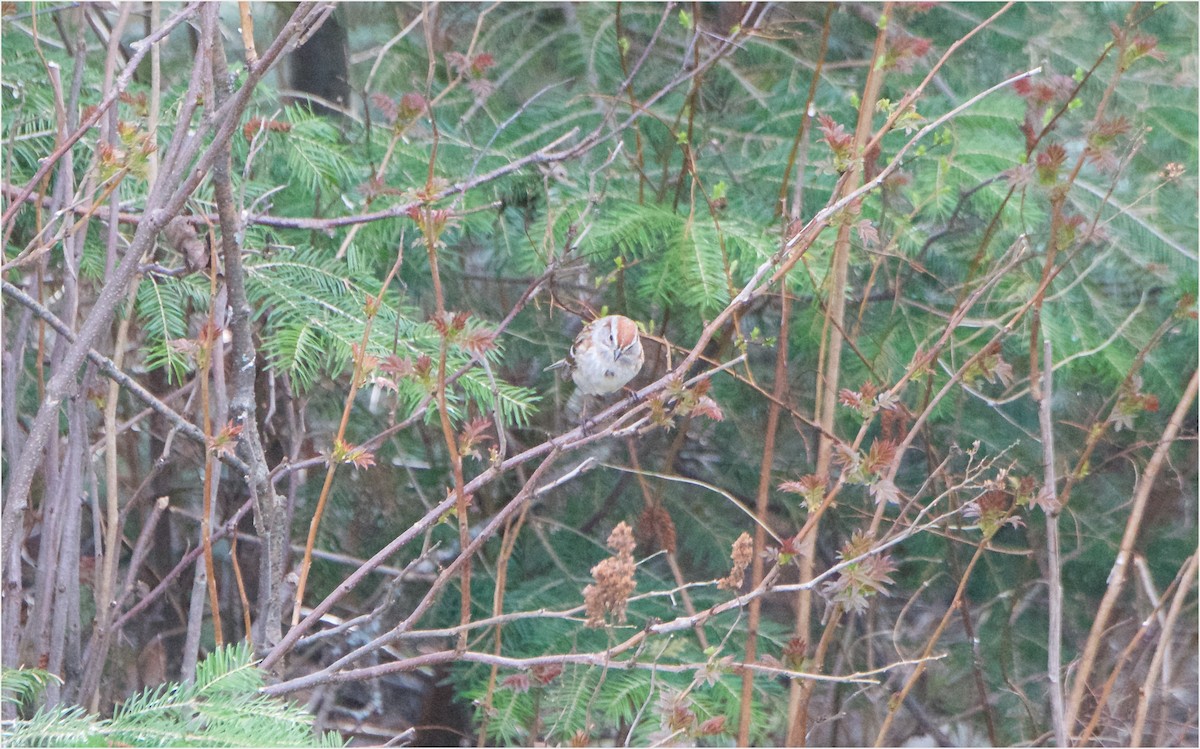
[(162, 204)]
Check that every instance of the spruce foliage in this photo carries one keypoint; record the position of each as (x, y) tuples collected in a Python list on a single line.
[(529, 167), (220, 707)]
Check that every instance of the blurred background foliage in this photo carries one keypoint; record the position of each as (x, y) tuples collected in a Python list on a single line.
[(670, 250)]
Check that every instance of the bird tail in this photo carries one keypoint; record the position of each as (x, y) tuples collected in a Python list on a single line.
[(576, 407)]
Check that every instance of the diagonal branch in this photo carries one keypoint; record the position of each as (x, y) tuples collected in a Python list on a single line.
[(175, 184)]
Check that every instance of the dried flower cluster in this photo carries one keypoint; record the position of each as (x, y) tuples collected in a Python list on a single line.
[(743, 554), (609, 595)]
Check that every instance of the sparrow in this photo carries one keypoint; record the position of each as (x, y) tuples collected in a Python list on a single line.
[(606, 355)]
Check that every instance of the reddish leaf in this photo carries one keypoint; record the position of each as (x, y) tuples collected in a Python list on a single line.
[(547, 673), (397, 367), (224, 443), (386, 106), (713, 726), (517, 682), (706, 406)]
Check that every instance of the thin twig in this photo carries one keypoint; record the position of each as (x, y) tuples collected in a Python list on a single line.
[(339, 450), (1116, 577), (175, 184), (1145, 628), (1053, 553), (1146, 693), (140, 48)]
